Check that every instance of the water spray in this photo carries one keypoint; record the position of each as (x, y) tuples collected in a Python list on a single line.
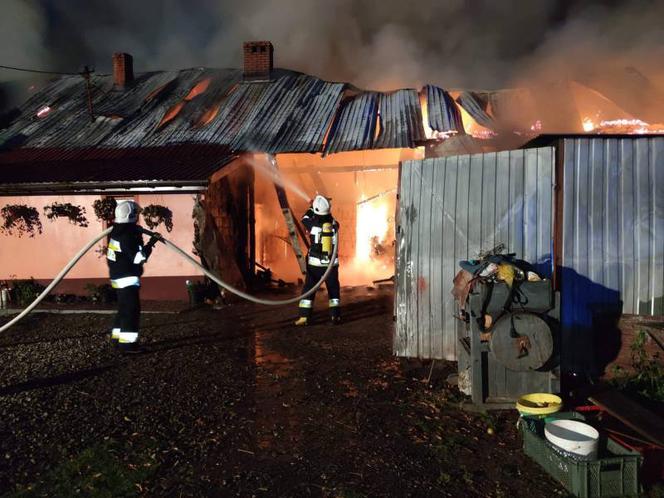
[(267, 167), (182, 253)]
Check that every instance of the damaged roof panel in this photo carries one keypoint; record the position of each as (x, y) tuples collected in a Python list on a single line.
[(308, 120), (292, 112), (143, 128), (400, 120), (444, 115), (268, 114), (475, 104), (355, 125)]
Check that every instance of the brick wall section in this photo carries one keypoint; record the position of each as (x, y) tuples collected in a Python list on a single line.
[(227, 202), (628, 327), (123, 69), (258, 59)]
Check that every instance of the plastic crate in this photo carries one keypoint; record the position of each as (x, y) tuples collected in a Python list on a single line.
[(615, 473)]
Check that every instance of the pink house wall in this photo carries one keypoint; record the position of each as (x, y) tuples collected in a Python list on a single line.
[(44, 255)]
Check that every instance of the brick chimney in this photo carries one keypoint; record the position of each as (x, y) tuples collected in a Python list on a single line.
[(258, 60), (123, 69)]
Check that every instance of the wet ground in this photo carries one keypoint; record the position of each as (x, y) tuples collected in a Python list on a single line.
[(239, 402)]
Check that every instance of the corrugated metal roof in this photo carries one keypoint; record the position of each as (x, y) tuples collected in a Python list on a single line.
[(443, 113), (475, 104), (174, 165), (290, 113), (355, 125), (400, 120)]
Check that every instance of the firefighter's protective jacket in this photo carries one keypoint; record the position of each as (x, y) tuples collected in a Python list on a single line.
[(126, 254), (323, 230)]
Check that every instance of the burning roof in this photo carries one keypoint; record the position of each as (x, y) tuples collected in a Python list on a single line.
[(68, 125), (292, 112)]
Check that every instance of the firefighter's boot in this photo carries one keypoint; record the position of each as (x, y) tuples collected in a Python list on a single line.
[(302, 321), (115, 337), (335, 311)]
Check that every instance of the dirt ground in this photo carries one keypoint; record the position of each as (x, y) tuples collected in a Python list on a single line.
[(239, 402)]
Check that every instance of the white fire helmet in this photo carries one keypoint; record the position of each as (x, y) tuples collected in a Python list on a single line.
[(126, 212), (321, 205)]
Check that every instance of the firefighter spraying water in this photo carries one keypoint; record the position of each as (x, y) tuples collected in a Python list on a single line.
[(323, 231), (157, 238)]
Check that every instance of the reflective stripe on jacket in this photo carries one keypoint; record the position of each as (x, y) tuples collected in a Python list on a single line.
[(125, 254)]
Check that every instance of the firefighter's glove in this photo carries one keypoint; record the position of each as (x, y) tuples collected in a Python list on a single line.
[(154, 238)]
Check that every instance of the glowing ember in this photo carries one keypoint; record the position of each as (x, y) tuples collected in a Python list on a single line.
[(170, 115), (623, 122), (473, 128), (44, 111), (428, 131), (588, 124), (198, 89), (632, 126), (378, 129), (208, 116), (620, 126), (536, 126)]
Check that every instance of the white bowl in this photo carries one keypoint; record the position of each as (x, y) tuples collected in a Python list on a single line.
[(573, 436)]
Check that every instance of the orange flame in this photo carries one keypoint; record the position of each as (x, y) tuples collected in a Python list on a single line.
[(378, 128), (208, 116), (198, 89), (471, 126), (429, 132), (424, 105), (588, 124), (372, 221), (620, 126), (374, 237), (170, 114)]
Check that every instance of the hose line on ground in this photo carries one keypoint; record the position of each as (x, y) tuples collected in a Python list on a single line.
[(182, 253), (56, 280), (244, 295)]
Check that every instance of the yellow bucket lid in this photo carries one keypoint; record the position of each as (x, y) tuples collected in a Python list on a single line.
[(539, 404)]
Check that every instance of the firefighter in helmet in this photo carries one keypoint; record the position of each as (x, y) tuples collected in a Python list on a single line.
[(323, 231), (126, 256)]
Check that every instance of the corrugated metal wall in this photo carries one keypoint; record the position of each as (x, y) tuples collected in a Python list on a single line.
[(450, 208), (613, 238)]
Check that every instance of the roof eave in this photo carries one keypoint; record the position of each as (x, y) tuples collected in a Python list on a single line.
[(106, 188)]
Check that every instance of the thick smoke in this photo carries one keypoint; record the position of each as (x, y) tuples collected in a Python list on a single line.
[(23, 28), (378, 44)]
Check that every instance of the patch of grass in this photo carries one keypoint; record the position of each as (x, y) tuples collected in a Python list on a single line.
[(444, 478), (349, 493), (100, 471)]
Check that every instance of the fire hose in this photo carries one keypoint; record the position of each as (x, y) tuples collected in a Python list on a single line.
[(182, 253)]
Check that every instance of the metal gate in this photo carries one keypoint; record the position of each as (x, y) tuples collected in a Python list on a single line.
[(450, 209)]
